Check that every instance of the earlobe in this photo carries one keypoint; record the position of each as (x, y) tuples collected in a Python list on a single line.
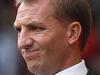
[(74, 32)]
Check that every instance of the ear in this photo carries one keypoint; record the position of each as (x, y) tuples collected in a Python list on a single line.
[(73, 32)]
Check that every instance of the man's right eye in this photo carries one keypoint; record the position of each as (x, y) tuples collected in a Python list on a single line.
[(18, 30)]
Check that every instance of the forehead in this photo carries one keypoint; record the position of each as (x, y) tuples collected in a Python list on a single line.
[(30, 11), (43, 5)]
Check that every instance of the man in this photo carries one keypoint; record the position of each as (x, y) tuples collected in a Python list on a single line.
[(52, 35)]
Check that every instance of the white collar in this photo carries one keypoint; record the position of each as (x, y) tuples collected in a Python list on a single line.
[(78, 69)]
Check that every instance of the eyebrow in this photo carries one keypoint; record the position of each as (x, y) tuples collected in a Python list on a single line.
[(33, 23)]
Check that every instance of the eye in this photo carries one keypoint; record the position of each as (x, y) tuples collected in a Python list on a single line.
[(18, 30)]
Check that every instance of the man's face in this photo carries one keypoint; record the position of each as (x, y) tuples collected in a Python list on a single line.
[(41, 38)]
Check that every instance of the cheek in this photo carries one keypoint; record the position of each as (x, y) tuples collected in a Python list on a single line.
[(51, 42), (18, 43), (44, 41)]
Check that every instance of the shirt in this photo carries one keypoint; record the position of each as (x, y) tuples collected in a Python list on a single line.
[(78, 69)]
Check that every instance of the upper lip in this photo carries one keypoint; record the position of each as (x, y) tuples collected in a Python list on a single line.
[(32, 49), (29, 50), (33, 54)]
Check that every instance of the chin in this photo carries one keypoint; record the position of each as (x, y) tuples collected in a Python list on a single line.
[(37, 70), (34, 68)]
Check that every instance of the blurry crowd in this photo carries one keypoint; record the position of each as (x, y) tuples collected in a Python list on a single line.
[(10, 58)]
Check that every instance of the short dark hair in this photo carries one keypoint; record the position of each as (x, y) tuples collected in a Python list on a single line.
[(76, 10)]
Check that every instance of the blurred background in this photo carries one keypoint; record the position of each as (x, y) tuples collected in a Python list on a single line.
[(12, 63)]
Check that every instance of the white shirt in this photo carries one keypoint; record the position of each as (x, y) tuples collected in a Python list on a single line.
[(78, 69)]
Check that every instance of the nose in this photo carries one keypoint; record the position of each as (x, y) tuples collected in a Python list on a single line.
[(25, 43)]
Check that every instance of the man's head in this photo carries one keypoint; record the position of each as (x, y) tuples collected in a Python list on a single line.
[(51, 33)]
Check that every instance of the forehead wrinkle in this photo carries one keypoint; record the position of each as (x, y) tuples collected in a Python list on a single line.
[(44, 13), (23, 19), (44, 7)]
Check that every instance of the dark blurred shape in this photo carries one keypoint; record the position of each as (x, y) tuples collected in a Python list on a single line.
[(92, 51)]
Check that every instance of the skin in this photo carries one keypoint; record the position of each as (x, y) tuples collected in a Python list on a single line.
[(44, 42)]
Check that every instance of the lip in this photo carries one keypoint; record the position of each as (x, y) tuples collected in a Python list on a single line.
[(31, 54)]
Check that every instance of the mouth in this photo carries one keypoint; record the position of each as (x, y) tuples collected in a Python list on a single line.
[(31, 54)]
